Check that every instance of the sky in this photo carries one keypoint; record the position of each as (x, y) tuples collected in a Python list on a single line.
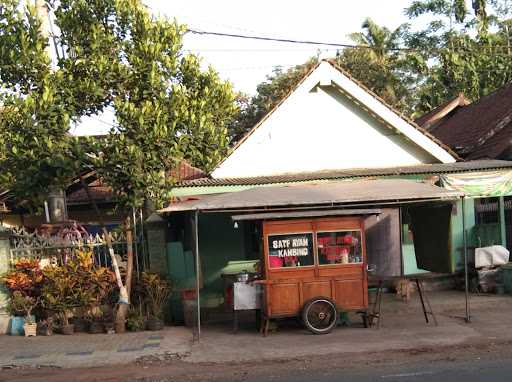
[(246, 63)]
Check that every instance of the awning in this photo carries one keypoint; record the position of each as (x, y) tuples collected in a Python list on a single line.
[(333, 194), (303, 214)]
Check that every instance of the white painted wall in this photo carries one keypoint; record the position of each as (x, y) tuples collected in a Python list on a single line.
[(318, 128)]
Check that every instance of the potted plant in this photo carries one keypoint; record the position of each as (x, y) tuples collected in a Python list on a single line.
[(60, 294), (25, 304), (45, 327), (135, 319), (23, 282), (156, 293), (96, 321)]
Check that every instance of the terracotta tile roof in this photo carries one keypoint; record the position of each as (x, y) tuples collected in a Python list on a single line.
[(75, 194), (424, 169), (102, 192), (481, 129), (435, 115)]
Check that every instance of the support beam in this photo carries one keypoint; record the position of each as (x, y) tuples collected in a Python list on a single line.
[(466, 279), (503, 223), (198, 273)]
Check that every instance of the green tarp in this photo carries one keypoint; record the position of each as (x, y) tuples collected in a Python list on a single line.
[(480, 184)]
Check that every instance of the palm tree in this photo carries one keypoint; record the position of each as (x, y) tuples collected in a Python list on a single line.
[(377, 63)]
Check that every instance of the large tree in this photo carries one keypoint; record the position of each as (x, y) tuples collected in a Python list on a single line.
[(111, 53), (460, 50), (378, 63)]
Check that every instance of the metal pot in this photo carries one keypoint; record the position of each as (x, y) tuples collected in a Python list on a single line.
[(242, 277)]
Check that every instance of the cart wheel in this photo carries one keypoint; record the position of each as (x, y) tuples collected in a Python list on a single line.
[(320, 315)]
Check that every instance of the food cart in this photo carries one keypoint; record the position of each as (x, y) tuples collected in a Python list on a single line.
[(314, 268)]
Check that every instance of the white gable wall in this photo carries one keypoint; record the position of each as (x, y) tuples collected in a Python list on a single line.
[(318, 128)]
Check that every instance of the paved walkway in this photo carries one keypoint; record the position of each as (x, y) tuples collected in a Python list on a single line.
[(403, 328), (83, 349)]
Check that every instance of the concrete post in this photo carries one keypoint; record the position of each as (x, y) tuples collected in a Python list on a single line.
[(503, 223), (156, 233), (4, 266)]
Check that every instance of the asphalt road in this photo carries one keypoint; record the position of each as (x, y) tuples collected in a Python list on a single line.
[(452, 371)]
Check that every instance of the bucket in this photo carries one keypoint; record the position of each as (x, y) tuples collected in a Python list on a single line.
[(16, 325)]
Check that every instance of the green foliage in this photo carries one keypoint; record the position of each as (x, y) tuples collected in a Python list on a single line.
[(75, 284), (135, 320), (20, 303), (459, 52), (116, 54), (156, 292), (414, 70), (381, 67)]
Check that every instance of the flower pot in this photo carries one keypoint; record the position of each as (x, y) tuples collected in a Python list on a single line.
[(154, 324), (67, 329), (120, 326), (81, 325), (44, 329), (96, 327), (30, 329)]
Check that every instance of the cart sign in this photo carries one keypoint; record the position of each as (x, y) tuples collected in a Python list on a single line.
[(296, 246)]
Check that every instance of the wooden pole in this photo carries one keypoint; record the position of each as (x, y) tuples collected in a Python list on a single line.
[(198, 286), (466, 280)]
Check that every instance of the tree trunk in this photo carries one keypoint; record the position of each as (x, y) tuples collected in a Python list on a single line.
[(122, 311), (123, 295)]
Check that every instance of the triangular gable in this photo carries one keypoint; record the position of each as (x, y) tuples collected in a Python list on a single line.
[(330, 121)]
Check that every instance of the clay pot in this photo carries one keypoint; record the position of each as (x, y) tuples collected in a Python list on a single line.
[(67, 329), (81, 325), (96, 327)]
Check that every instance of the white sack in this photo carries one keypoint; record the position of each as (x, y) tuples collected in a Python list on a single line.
[(491, 256)]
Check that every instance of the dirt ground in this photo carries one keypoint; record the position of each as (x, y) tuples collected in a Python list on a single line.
[(157, 368)]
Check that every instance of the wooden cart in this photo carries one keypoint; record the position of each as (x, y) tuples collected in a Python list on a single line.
[(314, 268)]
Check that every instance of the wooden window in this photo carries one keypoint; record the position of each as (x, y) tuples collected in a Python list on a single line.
[(339, 247)]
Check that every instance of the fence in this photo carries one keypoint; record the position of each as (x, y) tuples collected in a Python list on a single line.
[(53, 248)]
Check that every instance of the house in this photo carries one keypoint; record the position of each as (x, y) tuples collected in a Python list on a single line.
[(79, 207), (326, 145), (477, 130)]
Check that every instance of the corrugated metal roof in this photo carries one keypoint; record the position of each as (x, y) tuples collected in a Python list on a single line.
[(303, 214), (441, 168), (317, 194)]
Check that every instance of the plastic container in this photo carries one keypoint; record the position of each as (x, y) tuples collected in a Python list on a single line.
[(16, 326)]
